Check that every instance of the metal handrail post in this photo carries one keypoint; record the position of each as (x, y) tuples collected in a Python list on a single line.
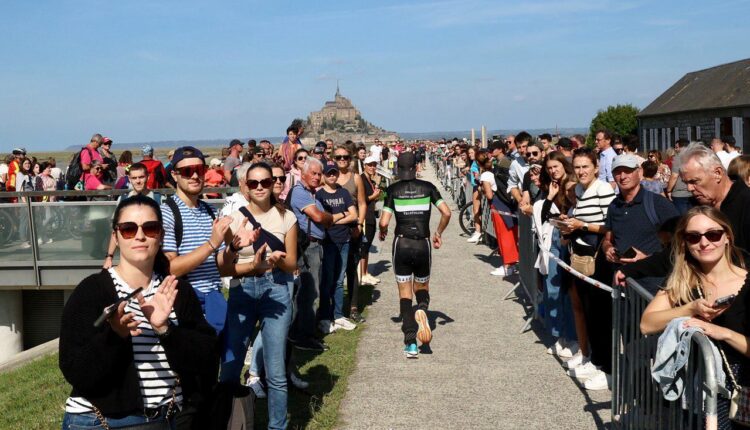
[(32, 239)]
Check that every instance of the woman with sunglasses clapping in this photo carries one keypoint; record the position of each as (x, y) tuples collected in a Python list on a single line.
[(155, 355), (265, 270), (707, 267)]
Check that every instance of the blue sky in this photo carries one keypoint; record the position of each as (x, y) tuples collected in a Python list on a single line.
[(163, 70)]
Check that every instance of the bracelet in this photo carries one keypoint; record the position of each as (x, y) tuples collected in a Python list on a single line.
[(109, 256), (211, 245)]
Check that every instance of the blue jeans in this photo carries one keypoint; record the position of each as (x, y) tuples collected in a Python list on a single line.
[(265, 299), (310, 268), (558, 313), (335, 256), (256, 365), (90, 421)]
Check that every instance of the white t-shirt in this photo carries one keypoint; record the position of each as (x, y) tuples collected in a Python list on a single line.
[(3, 171), (727, 157), (488, 177), (271, 221), (376, 150), (55, 172)]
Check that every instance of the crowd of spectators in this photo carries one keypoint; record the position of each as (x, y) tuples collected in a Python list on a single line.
[(291, 245), (680, 216)]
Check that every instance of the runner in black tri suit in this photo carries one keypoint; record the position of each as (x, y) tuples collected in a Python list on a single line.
[(410, 200)]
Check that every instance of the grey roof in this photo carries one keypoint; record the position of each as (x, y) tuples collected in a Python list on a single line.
[(724, 86)]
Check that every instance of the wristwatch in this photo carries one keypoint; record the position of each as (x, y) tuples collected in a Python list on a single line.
[(585, 226), (167, 332)]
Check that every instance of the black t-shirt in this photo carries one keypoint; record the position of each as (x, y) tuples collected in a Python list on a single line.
[(410, 202), (335, 203), (370, 214), (736, 318)]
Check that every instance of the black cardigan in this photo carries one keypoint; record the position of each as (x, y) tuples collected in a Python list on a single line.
[(99, 364)]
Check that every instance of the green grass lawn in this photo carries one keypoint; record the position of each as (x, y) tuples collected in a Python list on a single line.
[(33, 396)]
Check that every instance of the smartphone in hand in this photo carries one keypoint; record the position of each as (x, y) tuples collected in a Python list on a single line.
[(724, 301)]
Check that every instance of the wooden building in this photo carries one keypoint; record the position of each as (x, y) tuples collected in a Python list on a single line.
[(702, 105)]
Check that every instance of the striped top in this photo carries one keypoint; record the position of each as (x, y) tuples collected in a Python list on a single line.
[(155, 377), (592, 203), (196, 230)]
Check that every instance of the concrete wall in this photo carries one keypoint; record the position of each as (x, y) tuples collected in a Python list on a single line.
[(11, 324)]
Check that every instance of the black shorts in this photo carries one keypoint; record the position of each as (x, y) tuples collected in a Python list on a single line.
[(364, 249), (412, 259)]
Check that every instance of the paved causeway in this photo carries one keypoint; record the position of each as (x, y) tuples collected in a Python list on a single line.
[(482, 373)]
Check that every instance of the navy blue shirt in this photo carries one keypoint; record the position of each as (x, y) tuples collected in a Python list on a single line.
[(336, 203), (631, 226)]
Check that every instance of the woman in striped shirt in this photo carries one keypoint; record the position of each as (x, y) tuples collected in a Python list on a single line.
[(155, 355), (585, 229)]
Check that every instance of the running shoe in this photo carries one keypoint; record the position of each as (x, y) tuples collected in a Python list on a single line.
[(357, 317), (253, 382), (578, 360), (598, 382), (370, 280), (344, 324), (500, 271), (327, 326), (474, 237), (584, 371), (411, 350), (424, 334)]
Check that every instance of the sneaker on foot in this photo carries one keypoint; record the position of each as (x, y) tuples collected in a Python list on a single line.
[(297, 382), (555, 348), (310, 344), (474, 237), (326, 326), (344, 324), (370, 280), (510, 271), (411, 350), (600, 381), (357, 317), (253, 382), (424, 334), (584, 371), (500, 271), (567, 352), (577, 360)]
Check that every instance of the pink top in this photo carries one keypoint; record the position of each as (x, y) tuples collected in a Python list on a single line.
[(92, 182)]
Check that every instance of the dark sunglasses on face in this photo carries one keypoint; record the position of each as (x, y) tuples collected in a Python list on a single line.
[(188, 171), (532, 153), (265, 183), (373, 164), (342, 157), (281, 179), (128, 230), (302, 158), (712, 236)]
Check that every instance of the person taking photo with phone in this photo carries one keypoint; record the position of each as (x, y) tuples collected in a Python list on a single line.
[(155, 356)]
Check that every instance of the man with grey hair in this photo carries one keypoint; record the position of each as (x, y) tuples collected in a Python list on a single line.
[(313, 221), (707, 181), (676, 189)]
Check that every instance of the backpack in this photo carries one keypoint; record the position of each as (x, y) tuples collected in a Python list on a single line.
[(178, 218), (502, 175), (75, 170)]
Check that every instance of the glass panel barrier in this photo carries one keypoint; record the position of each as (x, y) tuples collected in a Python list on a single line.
[(68, 231), (15, 233)]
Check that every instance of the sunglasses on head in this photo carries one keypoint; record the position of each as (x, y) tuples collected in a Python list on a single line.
[(265, 183), (189, 171), (281, 179), (128, 230), (712, 236), (342, 157)]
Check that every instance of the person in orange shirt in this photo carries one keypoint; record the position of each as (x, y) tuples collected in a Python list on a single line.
[(214, 177)]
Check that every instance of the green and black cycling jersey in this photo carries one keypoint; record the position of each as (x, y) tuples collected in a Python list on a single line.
[(410, 202)]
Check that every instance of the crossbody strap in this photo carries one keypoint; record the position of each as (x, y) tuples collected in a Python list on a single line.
[(721, 350)]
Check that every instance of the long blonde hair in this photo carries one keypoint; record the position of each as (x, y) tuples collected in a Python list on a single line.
[(687, 275)]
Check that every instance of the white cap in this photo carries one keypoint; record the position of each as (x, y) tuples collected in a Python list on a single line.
[(215, 162), (371, 159)]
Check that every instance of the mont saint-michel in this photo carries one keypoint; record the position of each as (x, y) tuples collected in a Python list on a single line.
[(340, 120)]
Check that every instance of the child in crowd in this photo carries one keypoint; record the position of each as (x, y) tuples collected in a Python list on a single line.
[(649, 181)]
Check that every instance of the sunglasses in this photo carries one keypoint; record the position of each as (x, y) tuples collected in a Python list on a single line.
[(128, 230), (281, 179), (342, 157), (712, 236), (373, 164), (265, 183), (189, 171), (534, 153), (301, 158)]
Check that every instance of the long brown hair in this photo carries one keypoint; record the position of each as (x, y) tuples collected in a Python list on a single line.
[(687, 276), (265, 166), (563, 199)]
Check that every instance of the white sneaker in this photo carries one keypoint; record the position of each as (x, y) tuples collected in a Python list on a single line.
[(327, 326), (372, 279), (556, 348), (568, 351), (600, 381), (344, 324), (253, 382), (298, 382), (500, 271), (584, 371), (577, 360), (474, 237), (25, 245)]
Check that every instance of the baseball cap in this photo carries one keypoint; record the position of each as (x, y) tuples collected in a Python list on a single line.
[(371, 159), (147, 150), (106, 141), (19, 151), (185, 152), (214, 162), (329, 167), (236, 142), (407, 166), (319, 149), (625, 160)]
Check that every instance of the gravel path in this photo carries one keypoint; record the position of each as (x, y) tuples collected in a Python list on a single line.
[(481, 373)]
